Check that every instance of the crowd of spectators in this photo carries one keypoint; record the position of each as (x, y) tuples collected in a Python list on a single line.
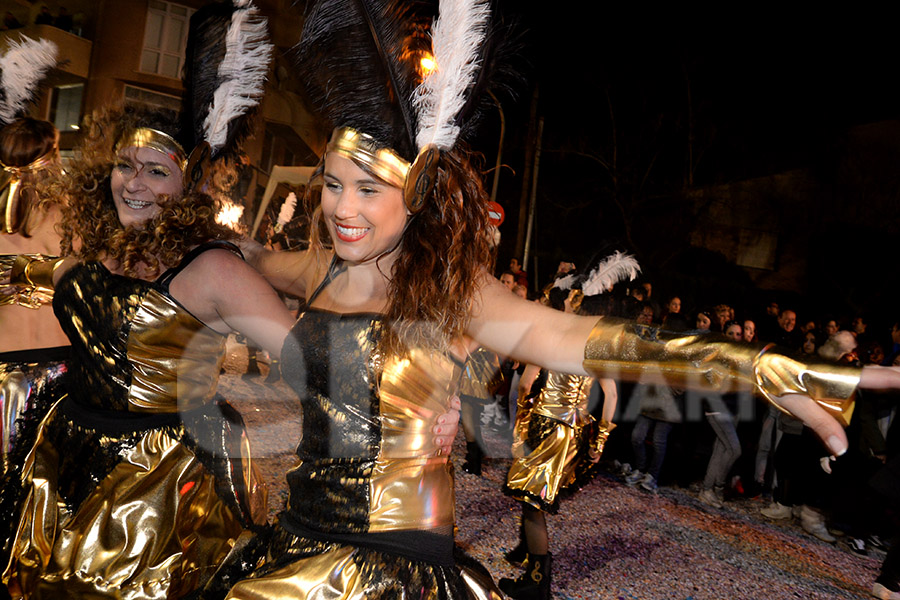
[(726, 446)]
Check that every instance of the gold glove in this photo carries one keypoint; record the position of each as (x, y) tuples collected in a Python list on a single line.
[(601, 433), (626, 350), (27, 279)]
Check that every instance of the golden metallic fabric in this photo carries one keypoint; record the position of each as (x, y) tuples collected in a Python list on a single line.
[(14, 391), (480, 376), (153, 528), (384, 163), (548, 468), (553, 465), (145, 137), (524, 406), (603, 429), (175, 358), (411, 486), (27, 279), (564, 399), (11, 185), (340, 574), (624, 350)]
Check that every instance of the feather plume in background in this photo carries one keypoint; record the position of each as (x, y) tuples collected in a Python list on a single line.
[(242, 73), (226, 61), (21, 70), (610, 271), (287, 211)]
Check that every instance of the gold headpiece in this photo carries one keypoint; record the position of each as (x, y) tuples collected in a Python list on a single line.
[(144, 137), (384, 163), (10, 185), (415, 179)]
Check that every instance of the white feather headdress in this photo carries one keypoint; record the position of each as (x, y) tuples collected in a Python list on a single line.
[(457, 38), (613, 269), (22, 68), (287, 211), (242, 73)]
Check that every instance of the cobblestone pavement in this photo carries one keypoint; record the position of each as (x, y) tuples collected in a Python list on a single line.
[(608, 541)]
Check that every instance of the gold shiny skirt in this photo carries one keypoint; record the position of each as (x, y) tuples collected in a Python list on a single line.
[(557, 465), (144, 519), (299, 568)]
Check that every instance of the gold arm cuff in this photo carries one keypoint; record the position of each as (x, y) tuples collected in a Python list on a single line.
[(625, 350), (27, 279), (602, 430)]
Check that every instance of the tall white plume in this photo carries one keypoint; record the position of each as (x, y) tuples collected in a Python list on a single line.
[(21, 70), (242, 72), (287, 210), (565, 283), (457, 37), (612, 270)]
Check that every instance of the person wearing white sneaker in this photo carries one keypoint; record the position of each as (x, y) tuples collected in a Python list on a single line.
[(777, 511), (708, 496), (813, 523)]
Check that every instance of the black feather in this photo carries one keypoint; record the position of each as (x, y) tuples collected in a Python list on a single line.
[(359, 60), (204, 52), (500, 74)]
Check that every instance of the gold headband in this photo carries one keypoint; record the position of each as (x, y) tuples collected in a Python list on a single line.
[(144, 137), (36, 165), (415, 179), (384, 163)]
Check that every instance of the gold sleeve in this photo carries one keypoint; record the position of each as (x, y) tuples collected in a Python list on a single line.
[(629, 351), (27, 279), (602, 430)]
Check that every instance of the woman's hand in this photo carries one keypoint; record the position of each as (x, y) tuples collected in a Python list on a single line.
[(815, 417), (447, 426)]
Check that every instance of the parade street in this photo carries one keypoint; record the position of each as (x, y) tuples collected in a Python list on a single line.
[(609, 540)]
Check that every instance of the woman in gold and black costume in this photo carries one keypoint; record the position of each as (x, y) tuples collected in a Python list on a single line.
[(396, 274), (140, 480), (33, 348), (32, 363), (558, 443)]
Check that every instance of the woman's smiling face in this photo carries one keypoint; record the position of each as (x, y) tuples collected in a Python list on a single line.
[(364, 215), (139, 178)]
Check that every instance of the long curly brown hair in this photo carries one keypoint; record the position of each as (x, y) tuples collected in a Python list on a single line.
[(90, 226), (442, 258)]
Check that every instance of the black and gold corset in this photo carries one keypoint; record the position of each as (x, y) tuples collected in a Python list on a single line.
[(368, 463), (134, 348)]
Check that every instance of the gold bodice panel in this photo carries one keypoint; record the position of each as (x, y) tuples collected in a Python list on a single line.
[(134, 347), (367, 459)]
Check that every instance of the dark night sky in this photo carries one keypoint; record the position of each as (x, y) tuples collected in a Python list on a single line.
[(769, 93)]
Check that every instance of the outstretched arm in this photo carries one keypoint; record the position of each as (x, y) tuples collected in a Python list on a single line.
[(622, 350), (288, 272), (227, 294)]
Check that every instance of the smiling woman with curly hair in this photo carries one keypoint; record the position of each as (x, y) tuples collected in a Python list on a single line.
[(91, 228), (147, 296)]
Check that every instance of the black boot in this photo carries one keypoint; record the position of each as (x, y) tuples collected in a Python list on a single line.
[(518, 556), (473, 459), (534, 583), (274, 372)]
